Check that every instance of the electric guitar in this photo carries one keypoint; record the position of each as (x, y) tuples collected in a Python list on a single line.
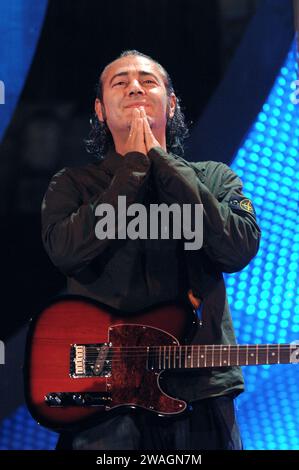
[(84, 359)]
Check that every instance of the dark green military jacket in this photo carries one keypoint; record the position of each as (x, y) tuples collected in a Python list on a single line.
[(133, 274)]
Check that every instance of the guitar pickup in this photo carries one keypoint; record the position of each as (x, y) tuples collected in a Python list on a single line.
[(90, 360)]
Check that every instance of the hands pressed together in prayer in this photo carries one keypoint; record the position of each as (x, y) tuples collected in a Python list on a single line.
[(141, 139)]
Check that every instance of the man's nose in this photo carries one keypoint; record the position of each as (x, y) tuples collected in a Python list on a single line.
[(135, 88)]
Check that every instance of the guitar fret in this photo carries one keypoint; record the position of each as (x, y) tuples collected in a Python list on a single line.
[(225, 360), (273, 355), (285, 354), (180, 361), (167, 357), (267, 349), (213, 355), (278, 353), (232, 355), (164, 357), (201, 360), (243, 355), (205, 353), (198, 351), (217, 355), (159, 357), (186, 356), (192, 360), (256, 354), (247, 354), (220, 357), (173, 349), (147, 356), (251, 355)]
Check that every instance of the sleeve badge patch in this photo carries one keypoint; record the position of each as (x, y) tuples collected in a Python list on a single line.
[(246, 205), (241, 204)]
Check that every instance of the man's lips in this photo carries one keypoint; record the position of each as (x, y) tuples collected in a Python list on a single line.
[(136, 105)]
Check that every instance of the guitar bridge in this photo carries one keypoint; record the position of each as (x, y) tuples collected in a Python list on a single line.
[(90, 360)]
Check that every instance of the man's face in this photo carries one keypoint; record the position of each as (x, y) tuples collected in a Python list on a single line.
[(131, 82)]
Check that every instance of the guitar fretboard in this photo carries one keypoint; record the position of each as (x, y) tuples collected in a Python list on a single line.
[(198, 356)]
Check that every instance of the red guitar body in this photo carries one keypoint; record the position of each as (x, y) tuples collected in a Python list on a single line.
[(59, 396)]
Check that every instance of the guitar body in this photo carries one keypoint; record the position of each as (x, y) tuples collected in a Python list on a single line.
[(68, 383)]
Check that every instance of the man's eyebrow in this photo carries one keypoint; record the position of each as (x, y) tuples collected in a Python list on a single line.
[(144, 72), (120, 74), (141, 72)]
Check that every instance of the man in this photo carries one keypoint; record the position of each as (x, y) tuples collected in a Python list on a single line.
[(138, 135)]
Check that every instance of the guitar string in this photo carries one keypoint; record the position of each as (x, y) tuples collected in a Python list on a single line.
[(260, 347), (197, 348), (190, 355), (211, 346), (194, 356)]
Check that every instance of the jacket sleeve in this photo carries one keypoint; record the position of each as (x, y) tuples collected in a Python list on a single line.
[(68, 223), (231, 235)]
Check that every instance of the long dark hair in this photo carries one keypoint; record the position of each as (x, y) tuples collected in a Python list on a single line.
[(100, 138)]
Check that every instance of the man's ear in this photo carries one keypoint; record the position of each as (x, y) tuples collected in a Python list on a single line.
[(99, 110), (171, 105)]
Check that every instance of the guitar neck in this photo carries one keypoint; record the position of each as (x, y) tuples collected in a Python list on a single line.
[(198, 356)]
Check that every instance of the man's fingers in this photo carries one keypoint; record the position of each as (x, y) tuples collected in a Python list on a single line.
[(146, 132), (132, 128), (135, 116), (147, 127), (137, 137), (142, 112), (144, 116), (148, 135), (135, 141), (139, 134), (150, 139)]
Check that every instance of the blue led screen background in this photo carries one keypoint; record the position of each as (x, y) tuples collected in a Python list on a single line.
[(20, 26), (264, 297)]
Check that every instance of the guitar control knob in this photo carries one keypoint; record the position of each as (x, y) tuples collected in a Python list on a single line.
[(58, 400), (52, 399), (78, 399)]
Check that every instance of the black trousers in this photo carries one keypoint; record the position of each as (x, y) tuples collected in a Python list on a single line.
[(210, 424)]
